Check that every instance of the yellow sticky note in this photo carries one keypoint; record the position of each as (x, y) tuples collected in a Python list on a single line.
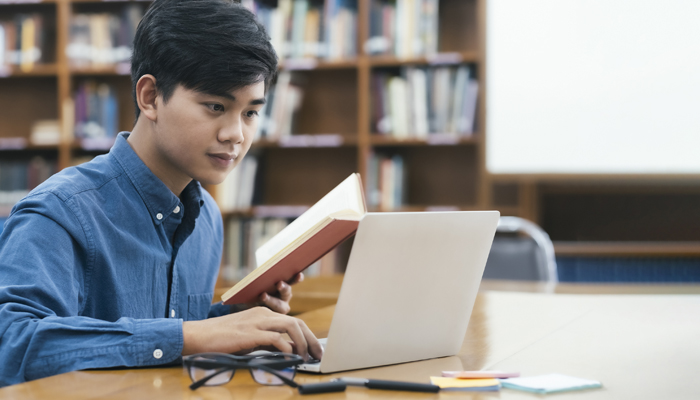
[(446, 383)]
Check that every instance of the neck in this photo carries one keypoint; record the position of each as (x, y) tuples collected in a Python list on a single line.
[(142, 141)]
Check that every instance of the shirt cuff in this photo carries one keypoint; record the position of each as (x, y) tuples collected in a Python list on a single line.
[(219, 309), (160, 341)]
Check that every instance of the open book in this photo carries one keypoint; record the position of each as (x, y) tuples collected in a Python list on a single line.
[(319, 230)]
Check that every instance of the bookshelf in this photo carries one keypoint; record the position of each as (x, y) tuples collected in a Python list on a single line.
[(334, 131)]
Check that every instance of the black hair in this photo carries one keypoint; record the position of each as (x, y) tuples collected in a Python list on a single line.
[(211, 46)]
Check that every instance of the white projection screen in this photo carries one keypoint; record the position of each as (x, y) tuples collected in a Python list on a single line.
[(593, 87)]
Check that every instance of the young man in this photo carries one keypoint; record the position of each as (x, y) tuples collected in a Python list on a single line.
[(113, 263)]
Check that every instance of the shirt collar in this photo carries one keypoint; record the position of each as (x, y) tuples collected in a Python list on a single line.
[(159, 199)]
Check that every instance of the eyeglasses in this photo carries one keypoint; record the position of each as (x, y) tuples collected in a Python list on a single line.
[(212, 369)]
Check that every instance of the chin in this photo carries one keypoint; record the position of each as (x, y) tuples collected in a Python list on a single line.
[(212, 179)]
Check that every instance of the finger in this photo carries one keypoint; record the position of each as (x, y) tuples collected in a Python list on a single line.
[(315, 348), (275, 304), (285, 291), (291, 326), (276, 340), (296, 278), (273, 348)]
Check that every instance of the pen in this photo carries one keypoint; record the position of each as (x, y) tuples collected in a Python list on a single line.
[(322, 387), (390, 385)]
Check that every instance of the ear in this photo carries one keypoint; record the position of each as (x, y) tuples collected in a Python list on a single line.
[(146, 96)]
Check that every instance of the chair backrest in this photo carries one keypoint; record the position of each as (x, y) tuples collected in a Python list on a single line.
[(529, 255)]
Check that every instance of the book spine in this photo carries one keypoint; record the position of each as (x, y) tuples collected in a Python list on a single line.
[(103, 39)]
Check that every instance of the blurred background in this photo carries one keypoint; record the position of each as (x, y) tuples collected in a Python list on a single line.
[(577, 115)]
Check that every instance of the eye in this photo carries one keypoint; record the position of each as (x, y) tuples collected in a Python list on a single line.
[(252, 114), (216, 107)]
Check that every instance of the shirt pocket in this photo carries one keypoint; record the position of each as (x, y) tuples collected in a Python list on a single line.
[(198, 306)]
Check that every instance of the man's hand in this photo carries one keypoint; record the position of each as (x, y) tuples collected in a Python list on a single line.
[(278, 302), (254, 329), (281, 304)]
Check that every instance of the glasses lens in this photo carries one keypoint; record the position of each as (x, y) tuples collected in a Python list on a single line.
[(266, 378), (219, 376)]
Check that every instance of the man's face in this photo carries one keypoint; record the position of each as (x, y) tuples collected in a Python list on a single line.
[(203, 137)]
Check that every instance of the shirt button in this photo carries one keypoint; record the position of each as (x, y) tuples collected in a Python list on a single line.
[(158, 353), (159, 216), (172, 313), (177, 209)]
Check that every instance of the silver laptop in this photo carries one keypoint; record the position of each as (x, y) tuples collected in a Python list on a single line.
[(409, 288)]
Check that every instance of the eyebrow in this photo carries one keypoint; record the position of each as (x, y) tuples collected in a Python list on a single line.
[(253, 102)]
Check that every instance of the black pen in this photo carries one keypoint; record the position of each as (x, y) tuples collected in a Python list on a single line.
[(389, 385)]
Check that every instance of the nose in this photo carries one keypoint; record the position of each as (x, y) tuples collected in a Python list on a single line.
[(231, 131)]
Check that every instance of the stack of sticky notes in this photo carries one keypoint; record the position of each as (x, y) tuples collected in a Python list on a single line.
[(480, 385), (470, 380), (551, 383)]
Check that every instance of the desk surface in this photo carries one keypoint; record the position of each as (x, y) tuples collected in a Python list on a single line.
[(638, 346), (318, 292)]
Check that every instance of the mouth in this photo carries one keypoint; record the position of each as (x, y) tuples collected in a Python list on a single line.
[(224, 156), (222, 160)]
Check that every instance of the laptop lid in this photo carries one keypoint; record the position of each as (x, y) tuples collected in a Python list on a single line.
[(409, 288)]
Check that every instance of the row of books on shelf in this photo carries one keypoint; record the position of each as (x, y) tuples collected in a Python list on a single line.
[(386, 182), (277, 116), (308, 28), (324, 29), (17, 178), (404, 28), (423, 101), (96, 110), (244, 236), (22, 41), (96, 120), (98, 39)]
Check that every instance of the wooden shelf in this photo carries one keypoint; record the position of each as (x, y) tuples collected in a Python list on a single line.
[(447, 58), (108, 70), (627, 249), (98, 145), (31, 147), (303, 64), (432, 140), (20, 144), (308, 141), (14, 71)]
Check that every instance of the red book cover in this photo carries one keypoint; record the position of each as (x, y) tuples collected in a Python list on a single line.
[(325, 240)]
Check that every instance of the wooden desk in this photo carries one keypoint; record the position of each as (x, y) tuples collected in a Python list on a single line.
[(318, 292), (638, 346)]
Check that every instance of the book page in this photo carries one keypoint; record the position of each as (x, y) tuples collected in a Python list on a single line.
[(343, 198)]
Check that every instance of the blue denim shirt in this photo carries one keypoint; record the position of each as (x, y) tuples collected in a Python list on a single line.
[(100, 265)]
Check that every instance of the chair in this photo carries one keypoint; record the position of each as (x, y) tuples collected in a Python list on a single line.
[(521, 251)]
